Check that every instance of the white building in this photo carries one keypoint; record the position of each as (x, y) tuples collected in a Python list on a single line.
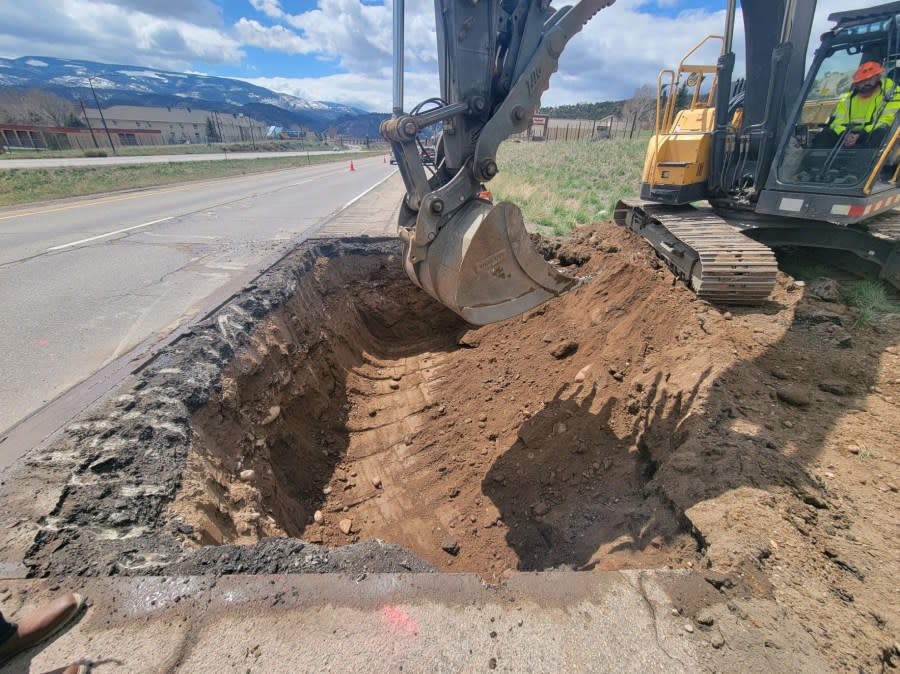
[(176, 124)]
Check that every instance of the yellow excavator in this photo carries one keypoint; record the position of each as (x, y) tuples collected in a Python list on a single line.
[(752, 149), (782, 160)]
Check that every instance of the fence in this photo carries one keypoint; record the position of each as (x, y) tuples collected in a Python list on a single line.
[(583, 129)]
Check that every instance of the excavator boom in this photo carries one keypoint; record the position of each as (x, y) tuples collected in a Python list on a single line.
[(495, 58)]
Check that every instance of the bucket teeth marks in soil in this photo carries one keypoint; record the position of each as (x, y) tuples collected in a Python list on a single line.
[(352, 382), (108, 521)]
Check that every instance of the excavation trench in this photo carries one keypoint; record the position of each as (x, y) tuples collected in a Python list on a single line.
[(361, 409), (332, 418)]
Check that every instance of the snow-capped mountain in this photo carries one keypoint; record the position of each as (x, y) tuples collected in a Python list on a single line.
[(134, 85)]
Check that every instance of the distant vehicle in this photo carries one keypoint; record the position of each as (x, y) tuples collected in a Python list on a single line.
[(428, 156), (393, 158)]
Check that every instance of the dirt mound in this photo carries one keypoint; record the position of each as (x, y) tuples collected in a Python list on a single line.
[(625, 425)]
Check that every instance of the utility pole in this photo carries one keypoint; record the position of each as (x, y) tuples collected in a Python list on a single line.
[(102, 118), (90, 128)]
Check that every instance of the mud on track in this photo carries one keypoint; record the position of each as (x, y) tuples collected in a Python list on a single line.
[(334, 418)]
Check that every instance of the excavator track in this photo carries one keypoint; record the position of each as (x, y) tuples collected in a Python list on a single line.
[(719, 263), (885, 226)]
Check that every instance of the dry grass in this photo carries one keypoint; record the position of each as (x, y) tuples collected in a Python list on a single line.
[(193, 148), (20, 186), (563, 184)]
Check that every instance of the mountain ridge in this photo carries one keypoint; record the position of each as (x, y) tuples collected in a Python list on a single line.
[(123, 84)]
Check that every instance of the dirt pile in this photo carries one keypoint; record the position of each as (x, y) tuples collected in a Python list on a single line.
[(625, 425)]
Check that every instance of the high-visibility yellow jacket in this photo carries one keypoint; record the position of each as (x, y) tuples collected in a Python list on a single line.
[(865, 114)]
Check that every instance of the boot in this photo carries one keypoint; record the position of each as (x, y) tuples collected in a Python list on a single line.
[(41, 624)]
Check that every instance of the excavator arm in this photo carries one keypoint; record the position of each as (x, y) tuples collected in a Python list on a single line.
[(495, 58)]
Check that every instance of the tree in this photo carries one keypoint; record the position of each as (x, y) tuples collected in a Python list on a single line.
[(640, 109), (584, 110), (35, 106)]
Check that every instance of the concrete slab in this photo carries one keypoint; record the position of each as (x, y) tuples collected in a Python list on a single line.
[(614, 621)]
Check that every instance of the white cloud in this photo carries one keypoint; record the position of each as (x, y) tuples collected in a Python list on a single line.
[(114, 33), (622, 48), (253, 34), (271, 8), (202, 12), (619, 50), (364, 91), (357, 35)]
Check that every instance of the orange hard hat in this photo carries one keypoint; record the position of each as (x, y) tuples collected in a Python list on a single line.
[(867, 70)]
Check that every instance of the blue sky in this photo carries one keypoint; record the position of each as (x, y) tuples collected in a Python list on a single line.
[(340, 50), (268, 62)]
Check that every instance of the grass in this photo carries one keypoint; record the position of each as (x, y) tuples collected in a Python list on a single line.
[(21, 186), (563, 184), (194, 148), (865, 453), (804, 271), (870, 300)]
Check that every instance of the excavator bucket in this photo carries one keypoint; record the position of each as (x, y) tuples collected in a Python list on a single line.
[(483, 267)]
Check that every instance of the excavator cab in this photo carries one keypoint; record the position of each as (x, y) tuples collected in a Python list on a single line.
[(840, 142), (838, 158)]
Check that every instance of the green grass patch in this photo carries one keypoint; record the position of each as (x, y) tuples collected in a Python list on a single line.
[(21, 186), (805, 271), (870, 300), (193, 148), (564, 184)]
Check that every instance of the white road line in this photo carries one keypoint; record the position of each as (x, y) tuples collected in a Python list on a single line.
[(360, 196), (103, 236)]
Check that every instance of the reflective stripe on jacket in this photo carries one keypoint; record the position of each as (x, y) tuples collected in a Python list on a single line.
[(865, 113)]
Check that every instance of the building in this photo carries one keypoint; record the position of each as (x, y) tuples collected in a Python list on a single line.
[(282, 133), (177, 125), (32, 137)]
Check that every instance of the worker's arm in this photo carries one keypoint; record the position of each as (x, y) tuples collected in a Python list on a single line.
[(889, 112), (841, 119)]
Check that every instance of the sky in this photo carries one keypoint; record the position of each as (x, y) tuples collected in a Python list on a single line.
[(341, 50)]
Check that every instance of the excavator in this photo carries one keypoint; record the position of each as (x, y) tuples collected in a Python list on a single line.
[(771, 158), (495, 59), (748, 148)]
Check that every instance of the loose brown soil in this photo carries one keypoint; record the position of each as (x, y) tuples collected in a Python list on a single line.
[(625, 425), (333, 418)]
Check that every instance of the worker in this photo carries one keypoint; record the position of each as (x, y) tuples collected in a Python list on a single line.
[(864, 114), (38, 626)]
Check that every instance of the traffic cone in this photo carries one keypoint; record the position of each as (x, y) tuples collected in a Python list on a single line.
[(351, 165)]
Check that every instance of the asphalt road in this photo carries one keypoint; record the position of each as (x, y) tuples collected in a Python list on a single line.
[(51, 162), (83, 281)]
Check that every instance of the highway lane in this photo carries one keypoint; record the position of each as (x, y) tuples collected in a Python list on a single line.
[(51, 162), (83, 281)]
